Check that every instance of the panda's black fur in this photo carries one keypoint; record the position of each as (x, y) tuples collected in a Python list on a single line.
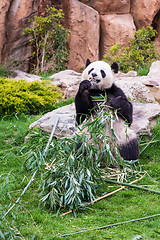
[(97, 80)]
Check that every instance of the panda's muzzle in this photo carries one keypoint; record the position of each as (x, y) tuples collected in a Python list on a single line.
[(97, 80), (94, 83)]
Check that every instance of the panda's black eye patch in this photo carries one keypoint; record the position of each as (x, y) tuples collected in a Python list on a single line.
[(103, 73), (90, 70)]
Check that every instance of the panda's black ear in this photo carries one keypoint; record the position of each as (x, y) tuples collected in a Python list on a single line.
[(115, 67), (88, 62)]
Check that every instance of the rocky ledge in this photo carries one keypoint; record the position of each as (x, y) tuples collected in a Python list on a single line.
[(144, 117)]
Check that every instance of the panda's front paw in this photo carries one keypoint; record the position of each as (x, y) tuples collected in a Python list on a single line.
[(84, 87)]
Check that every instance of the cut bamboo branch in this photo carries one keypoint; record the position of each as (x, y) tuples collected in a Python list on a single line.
[(119, 189), (106, 195)]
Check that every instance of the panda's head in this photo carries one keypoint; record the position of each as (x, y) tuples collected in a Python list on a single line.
[(100, 73)]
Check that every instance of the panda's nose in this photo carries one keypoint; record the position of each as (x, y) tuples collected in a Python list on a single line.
[(94, 75)]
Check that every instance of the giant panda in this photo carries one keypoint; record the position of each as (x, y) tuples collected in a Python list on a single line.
[(98, 80)]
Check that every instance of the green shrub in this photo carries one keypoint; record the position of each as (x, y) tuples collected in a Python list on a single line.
[(27, 97), (139, 53)]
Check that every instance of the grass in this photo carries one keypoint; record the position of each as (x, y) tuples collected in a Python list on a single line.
[(46, 75), (143, 71), (28, 221)]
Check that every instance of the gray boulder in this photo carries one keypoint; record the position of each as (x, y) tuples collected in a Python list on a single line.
[(144, 117), (154, 70), (134, 89), (66, 121), (26, 76), (68, 81)]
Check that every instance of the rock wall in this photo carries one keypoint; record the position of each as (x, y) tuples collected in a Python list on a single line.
[(14, 18), (95, 26), (115, 28), (84, 23), (118, 20)]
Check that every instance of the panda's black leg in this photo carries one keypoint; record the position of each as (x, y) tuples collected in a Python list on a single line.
[(130, 151)]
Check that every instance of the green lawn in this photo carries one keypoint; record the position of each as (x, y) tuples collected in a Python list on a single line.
[(28, 220)]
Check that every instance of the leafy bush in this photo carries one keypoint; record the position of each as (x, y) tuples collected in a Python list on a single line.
[(27, 97), (139, 53), (49, 40)]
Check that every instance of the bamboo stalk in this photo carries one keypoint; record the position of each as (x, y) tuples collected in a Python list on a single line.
[(133, 186), (141, 144), (112, 225), (51, 136), (24, 190), (106, 195)]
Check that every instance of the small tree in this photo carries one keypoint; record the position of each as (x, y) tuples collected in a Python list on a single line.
[(49, 40), (139, 53)]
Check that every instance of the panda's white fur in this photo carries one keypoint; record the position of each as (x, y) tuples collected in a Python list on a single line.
[(93, 72), (124, 133), (97, 66)]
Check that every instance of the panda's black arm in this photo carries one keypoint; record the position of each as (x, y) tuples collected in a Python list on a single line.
[(124, 107), (117, 91), (120, 102), (83, 102)]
